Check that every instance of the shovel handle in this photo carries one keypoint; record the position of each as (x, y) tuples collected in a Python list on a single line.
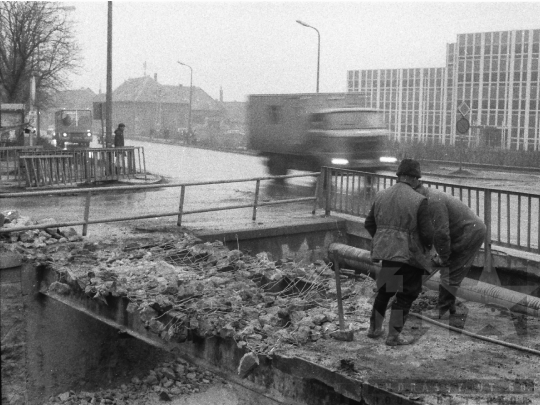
[(338, 290)]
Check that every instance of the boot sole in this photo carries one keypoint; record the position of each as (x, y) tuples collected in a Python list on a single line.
[(399, 343), (376, 334)]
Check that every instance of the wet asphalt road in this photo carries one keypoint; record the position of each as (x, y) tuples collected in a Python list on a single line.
[(179, 164)]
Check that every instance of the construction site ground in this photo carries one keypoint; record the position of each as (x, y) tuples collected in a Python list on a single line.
[(440, 367)]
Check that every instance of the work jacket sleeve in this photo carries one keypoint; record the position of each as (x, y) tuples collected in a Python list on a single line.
[(369, 223), (441, 225), (425, 227)]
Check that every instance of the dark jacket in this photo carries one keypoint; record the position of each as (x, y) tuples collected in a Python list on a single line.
[(400, 226), (119, 138), (455, 225)]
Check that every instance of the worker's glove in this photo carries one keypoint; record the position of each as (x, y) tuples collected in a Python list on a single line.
[(436, 261)]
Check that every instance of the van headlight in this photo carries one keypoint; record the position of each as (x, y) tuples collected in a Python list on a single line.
[(64, 135), (338, 161), (388, 159)]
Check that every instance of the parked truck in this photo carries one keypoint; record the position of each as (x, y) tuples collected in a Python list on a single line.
[(307, 131), (73, 126)]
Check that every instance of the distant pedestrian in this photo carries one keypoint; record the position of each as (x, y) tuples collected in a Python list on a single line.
[(458, 235), (402, 235), (119, 136)]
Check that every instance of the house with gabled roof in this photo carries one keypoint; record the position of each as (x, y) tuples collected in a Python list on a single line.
[(148, 108)]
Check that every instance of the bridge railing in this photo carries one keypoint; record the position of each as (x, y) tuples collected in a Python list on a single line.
[(512, 218), (10, 168), (43, 168), (179, 213)]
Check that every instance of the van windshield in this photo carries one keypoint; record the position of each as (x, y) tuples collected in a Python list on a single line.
[(349, 120), (75, 118)]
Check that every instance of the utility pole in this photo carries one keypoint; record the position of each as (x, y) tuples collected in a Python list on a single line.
[(108, 97)]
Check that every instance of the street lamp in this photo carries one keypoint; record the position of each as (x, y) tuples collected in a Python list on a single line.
[(190, 95), (318, 50)]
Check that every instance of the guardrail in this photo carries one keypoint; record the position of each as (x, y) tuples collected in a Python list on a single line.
[(512, 218), (180, 212), (42, 168), (49, 168), (10, 167)]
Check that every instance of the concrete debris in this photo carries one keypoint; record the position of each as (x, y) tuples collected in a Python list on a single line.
[(180, 287), (166, 382), (247, 363), (31, 243)]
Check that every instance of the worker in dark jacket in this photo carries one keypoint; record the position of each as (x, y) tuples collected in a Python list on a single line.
[(458, 235), (402, 235), (119, 136)]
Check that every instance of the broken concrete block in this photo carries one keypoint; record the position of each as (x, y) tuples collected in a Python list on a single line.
[(59, 288), (345, 335), (147, 313), (297, 316), (319, 319), (247, 363)]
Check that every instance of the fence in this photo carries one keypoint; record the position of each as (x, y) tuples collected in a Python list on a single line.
[(41, 168), (180, 212), (512, 218), (10, 168)]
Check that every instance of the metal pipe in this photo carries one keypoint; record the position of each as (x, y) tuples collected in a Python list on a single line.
[(477, 336), (318, 189), (318, 48), (108, 96), (487, 221), (471, 290), (257, 187), (86, 212), (150, 186), (181, 205)]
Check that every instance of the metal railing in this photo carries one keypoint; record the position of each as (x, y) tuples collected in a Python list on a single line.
[(512, 218), (10, 167), (180, 212), (43, 168)]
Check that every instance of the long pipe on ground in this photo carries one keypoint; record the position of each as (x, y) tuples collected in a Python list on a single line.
[(361, 259), (470, 290)]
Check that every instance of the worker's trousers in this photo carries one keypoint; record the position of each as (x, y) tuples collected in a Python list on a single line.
[(460, 264), (399, 279)]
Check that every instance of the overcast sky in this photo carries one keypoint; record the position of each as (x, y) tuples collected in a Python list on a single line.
[(257, 47)]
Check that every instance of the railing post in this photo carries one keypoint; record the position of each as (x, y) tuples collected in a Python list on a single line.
[(328, 194), (257, 187), (487, 221), (181, 205), (86, 213), (144, 163), (318, 189)]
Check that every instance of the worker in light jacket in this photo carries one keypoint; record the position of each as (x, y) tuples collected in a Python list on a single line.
[(402, 234), (458, 235)]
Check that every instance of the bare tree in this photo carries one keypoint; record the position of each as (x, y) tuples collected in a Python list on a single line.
[(36, 38)]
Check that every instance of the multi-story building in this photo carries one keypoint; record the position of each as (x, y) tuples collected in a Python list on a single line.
[(493, 76)]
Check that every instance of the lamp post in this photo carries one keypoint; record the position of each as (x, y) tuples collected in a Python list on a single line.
[(318, 50), (190, 95)]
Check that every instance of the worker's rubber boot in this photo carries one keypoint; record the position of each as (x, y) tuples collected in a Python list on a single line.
[(376, 320), (447, 301), (395, 326)]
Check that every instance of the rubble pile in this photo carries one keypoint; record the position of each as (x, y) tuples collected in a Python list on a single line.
[(183, 287), (36, 238), (163, 383)]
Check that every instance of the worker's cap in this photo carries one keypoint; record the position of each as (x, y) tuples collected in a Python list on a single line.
[(121, 126), (409, 167)]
